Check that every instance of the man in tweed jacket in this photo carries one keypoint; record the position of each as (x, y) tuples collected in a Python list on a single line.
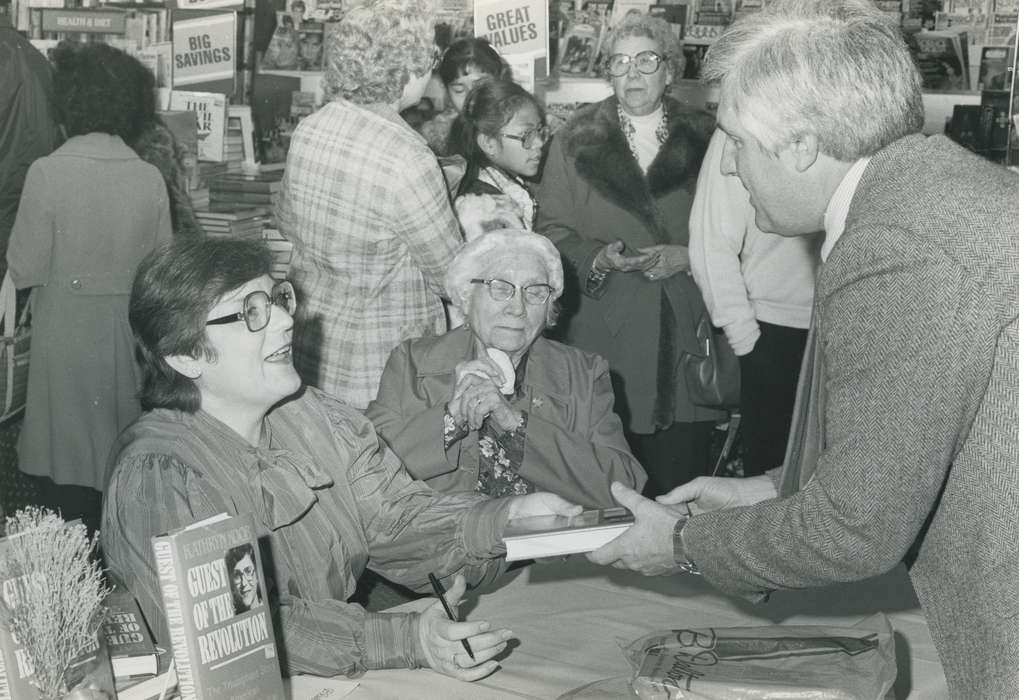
[(905, 443)]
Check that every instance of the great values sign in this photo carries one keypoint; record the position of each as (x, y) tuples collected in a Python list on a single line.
[(518, 29), (204, 49), (513, 26)]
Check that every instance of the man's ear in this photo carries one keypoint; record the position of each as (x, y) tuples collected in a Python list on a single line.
[(804, 149), (185, 365)]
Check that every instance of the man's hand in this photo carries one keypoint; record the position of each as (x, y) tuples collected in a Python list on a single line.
[(440, 640), (611, 257), (541, 503), (646, 546), (707, 493)]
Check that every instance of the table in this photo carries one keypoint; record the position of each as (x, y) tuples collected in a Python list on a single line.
[(567, 616)]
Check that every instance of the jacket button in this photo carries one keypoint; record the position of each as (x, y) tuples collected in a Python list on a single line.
[(75, 284)]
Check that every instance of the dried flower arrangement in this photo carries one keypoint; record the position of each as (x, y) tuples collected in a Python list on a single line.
[(59, 605)]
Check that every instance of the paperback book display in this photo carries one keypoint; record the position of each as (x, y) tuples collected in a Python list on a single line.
[(555, 535), (213, 589)]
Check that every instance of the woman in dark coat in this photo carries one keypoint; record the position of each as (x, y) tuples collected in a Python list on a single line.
[(615, 198)]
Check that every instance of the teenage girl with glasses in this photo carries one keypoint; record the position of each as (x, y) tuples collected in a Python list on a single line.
[(502, 140)]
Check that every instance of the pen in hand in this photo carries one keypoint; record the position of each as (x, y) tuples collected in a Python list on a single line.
[(440, 593)]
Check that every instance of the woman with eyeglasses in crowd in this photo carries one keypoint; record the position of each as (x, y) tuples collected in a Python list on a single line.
[(502, 138), (495, 407), (615, 197)]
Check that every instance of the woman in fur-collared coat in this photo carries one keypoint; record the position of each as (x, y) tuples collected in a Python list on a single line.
[(615, 198)]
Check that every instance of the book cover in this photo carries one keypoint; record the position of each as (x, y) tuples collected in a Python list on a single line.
[(210, 117), (675, 15), (556, 535), (213, 589), (132, 649), (994, 67)]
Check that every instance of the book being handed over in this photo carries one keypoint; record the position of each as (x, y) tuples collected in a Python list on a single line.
[(555, 535)]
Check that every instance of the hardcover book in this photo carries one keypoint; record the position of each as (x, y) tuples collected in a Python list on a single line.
[(555, 535), (220, 629), (210, 115), (132, 649)]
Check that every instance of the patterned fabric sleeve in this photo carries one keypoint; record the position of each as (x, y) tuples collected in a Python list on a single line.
[(423, 218)]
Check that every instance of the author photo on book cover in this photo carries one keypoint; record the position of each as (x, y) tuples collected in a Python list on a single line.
[(243, 573), (904, 442)]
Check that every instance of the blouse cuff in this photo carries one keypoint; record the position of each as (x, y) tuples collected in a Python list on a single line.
[(451, 432), (391, 641), (484, 526)]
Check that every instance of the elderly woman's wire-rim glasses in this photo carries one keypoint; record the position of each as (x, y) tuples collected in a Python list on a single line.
[(501, 290), (257, 307), (531, 138), (647, 62)]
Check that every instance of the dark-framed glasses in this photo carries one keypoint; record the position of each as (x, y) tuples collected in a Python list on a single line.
[(256, 309), (501, 290), (531, 138), (647, 62)]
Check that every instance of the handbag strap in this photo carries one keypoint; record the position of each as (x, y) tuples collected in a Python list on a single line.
[(8, 297)]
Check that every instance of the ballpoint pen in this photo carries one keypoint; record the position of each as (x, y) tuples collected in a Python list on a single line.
[(440, 593)]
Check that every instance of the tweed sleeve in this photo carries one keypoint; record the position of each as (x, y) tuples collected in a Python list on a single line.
[(906, 335)]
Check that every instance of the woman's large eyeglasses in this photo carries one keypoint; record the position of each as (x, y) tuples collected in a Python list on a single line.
[(647, 62), (257, 307), (530, 138), (501, 290)]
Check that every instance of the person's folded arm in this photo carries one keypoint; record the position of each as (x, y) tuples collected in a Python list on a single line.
[(580, 465), (719, 218), (901, 390)]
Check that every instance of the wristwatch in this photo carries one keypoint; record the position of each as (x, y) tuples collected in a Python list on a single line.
[(683, 562)]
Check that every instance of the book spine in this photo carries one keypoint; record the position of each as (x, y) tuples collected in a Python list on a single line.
[(166, 567)]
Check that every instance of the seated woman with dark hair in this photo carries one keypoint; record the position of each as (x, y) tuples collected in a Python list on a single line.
[(228, 429), (90, 211), (493, 406)]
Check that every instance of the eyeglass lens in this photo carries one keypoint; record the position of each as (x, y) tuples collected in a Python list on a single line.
[(257, 305), (647, 62), (501, 290)]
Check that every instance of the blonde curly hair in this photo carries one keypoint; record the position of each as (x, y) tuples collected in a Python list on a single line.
[(378, 46)]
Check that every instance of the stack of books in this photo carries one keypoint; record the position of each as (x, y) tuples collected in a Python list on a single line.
[(240, 190), (282, 251), (240, 223), (141, 670)]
